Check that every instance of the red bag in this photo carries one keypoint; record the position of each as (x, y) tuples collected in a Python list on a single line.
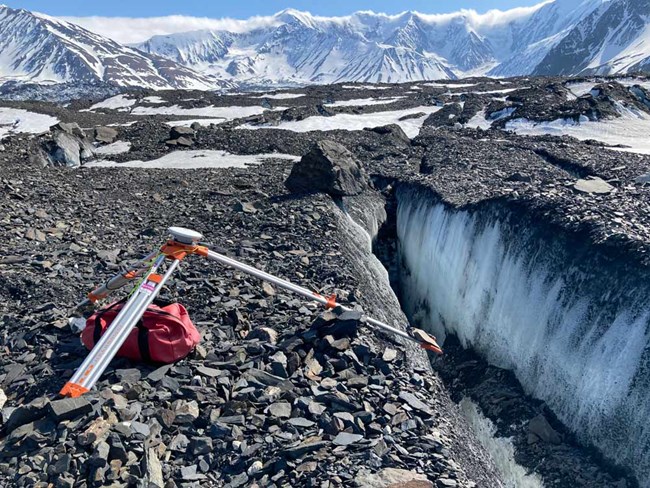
[(165, 333)]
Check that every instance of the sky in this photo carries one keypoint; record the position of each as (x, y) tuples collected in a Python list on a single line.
[(247, 8)]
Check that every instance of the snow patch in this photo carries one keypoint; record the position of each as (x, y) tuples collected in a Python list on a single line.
[(280, 96), (195, 160), (479, 122), (581, 88), (631, 129), (356, 102), (356, 121), (643, 83), (121, 103), (226, 113), (189, 122), (450, 85), (118, 147), (15, 121), (154, 100), (365, 87)]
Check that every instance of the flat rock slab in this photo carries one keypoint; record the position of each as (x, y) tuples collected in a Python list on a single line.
[(305, 448), (392, 477), (413, 402), (593, 184), (345, 439), (280, 410), (69, 408)]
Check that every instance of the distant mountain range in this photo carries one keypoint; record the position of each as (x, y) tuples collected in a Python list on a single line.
[(567, 37), (35, 47)]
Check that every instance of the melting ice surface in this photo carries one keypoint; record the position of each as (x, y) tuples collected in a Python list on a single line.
[(576, 337), (500, 449)]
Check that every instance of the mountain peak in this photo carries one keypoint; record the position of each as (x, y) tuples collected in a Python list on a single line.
[(60, 52), (291, 15)]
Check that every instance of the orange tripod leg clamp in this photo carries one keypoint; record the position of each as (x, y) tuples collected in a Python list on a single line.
[(73, 390)]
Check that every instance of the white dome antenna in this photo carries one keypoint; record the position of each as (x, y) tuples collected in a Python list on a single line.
[(184, 236)]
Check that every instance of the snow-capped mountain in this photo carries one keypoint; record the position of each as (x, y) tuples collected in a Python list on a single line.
[(293, 47), (530, 39), (35, 47), (614, 38), (297, 47)]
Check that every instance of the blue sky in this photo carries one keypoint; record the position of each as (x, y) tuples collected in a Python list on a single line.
[(248, 8)]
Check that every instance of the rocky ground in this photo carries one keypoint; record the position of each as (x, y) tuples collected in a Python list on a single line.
[(262, 400), (290, 407)]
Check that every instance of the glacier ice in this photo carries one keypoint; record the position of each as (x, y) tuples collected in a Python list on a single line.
[(501, 449), (574, 332)]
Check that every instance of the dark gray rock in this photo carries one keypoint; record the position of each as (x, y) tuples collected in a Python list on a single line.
[(280, 410), (330, 168), (305, 448), (184, 141), (542, 429), (264, 334), (69, 408), (71, 128), (415, 403), (179, 131)]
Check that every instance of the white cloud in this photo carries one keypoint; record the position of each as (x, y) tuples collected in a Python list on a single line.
[(128, 30)]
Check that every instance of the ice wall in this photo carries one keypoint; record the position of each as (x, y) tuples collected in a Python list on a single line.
[(500, 448), (571, 323)]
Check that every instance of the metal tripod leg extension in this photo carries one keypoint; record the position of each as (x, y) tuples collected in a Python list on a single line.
[(119, 280), (107, 347)]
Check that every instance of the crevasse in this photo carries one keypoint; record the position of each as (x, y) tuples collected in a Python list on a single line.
[(570, 323)]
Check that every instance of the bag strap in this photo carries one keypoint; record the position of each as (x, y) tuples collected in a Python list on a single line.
[(97, 333), (143, 342)]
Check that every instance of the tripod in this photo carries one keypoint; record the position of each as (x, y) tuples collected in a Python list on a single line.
[(183, 242)]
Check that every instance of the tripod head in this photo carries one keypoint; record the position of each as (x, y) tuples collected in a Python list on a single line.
[(185, 236)]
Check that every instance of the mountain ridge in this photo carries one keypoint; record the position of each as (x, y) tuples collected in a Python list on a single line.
[(41, 48), (370, 47)]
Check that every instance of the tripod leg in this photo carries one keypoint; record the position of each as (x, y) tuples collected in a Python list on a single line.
[(119, 280), (328, 302), (107, 347)]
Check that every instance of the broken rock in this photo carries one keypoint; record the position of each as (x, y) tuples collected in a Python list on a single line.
[(69, 408), (542, 429), (105, 134), (330, 168)]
